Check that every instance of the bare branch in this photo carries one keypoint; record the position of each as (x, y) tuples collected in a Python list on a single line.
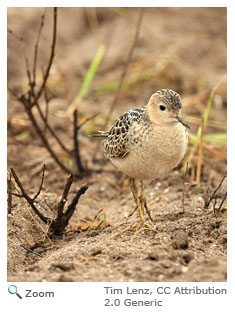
[(51, 56), (70, 210), (31, 99), (47, 100), (207, 202), (222, 202), (15, 194), (77, 156), (41, 134), (64, 196), (9, 195), (41, 184), (36, 48), (47, 126), (58, 225), (28, 199)]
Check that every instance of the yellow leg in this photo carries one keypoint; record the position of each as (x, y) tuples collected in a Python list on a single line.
[(135, 194), (132, 211), (143, 201), (139, 204), (136, 197)]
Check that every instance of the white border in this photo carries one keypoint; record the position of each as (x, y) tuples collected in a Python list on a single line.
[(115, 3), (91, 295)]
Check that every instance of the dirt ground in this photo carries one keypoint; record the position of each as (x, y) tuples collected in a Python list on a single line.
[(179, 48)]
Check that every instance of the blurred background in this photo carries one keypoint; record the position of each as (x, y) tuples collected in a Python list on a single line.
[(179, 48), (183, 49)]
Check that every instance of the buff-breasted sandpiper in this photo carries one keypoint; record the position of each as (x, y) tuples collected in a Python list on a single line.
[(147, 142)]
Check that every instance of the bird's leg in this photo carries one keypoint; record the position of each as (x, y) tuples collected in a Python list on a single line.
[(132, 211), (135, 194), (143, 201), (139, 204)]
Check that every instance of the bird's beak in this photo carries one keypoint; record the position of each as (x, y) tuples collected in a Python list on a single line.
[(180, 119)]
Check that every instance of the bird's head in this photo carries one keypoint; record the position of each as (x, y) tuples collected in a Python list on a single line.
[(164, 107)]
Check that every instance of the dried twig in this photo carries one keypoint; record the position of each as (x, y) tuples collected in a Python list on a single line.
[(57, 225), (26, 203), (28, 102), (41, 184), (9, 194), (28, 198), (36, 49), (47, 100), (184, 184), (70, 210), (77, 156), (76, 151), (46, 75), (30, 250), (47, 126), (63, 200), (128, 60), (199, 161), (28, 109), (222, 202), (208, 201), (31, 99)]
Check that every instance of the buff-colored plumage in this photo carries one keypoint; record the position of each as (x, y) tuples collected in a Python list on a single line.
[(147, 142)]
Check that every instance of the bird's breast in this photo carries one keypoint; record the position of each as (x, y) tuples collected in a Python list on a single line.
[(153, 150)]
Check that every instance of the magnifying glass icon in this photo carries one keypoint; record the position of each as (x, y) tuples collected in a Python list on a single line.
[(12, 289)]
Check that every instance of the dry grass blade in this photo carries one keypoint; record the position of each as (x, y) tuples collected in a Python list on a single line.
[(198, 140), (200, 154)]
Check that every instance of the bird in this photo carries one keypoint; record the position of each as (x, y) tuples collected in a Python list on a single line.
[(147, 142)]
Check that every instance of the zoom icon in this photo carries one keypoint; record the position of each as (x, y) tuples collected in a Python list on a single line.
[(12, 289)]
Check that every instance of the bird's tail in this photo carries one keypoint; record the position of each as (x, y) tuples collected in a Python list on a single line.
[(100, 134)]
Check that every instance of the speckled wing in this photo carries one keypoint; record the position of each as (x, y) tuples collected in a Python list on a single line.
[(117, 142)]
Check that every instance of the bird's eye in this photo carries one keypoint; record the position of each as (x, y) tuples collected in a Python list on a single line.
[(162, 107)]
